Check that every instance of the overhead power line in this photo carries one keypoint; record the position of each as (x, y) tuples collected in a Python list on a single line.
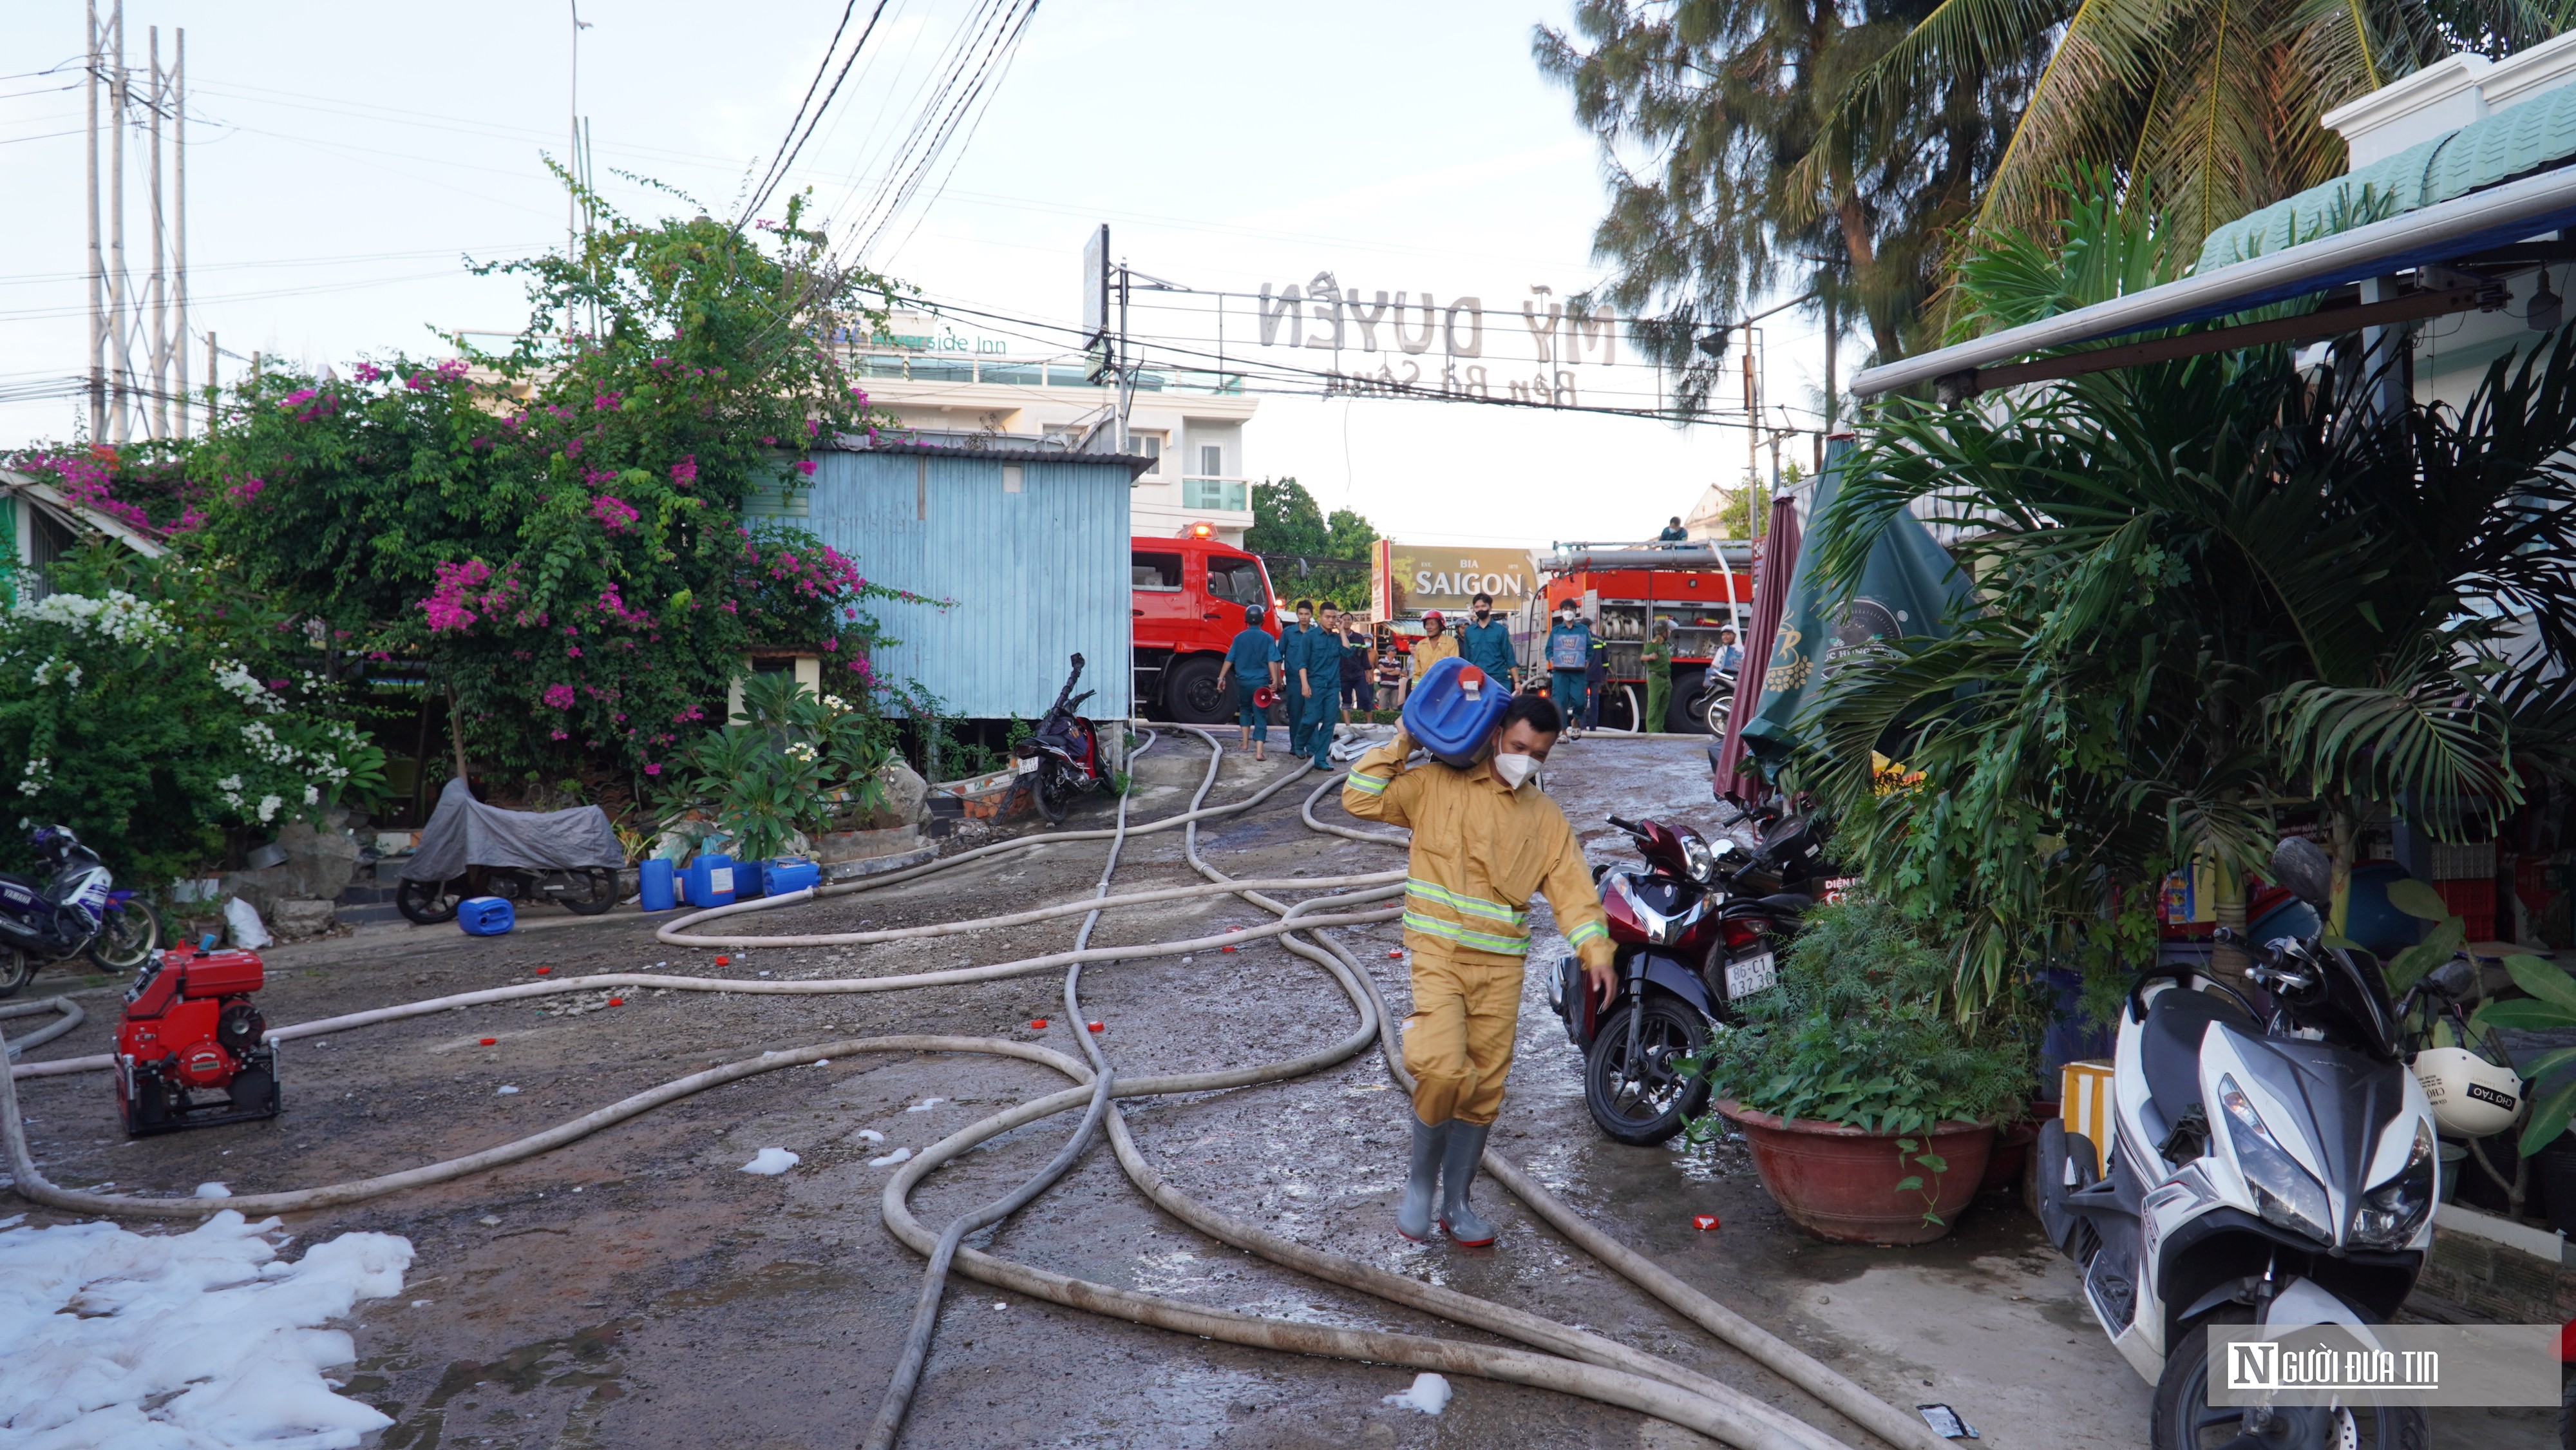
[(794, 144)]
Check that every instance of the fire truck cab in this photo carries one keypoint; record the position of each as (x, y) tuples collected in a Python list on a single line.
[(1622, 589), (1190, 594)]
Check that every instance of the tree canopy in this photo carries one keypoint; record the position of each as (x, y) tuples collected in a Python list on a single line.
[(1727, 184), (1288, 523)]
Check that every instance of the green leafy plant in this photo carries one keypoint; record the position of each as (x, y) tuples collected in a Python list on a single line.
[(2551, 1005), (1858, 1031), (2205, 589), (1919, 1152), (794, 761), (147, 706), (2438, 945)]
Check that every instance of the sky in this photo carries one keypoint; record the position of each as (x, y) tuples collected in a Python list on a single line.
[(344, 161)]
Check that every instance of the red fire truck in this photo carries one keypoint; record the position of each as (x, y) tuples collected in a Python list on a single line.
[(1702, 587), (1190, 593)]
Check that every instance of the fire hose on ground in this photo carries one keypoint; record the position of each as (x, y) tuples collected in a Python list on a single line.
[(1572, 1360)]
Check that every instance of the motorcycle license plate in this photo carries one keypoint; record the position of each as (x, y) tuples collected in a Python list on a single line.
[(1029, 766), (1751, 975)]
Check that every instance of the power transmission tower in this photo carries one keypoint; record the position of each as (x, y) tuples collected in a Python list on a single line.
[(126, 402)]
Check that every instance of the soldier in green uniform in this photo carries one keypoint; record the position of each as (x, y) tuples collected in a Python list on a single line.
[(1658, 657)]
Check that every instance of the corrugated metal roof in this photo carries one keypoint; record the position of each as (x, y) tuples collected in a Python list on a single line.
[(1135, 462), (2536, 135), (1035, 575)]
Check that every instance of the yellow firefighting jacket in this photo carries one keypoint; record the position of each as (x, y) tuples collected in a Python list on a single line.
[(1432, 649), (1479, 853)]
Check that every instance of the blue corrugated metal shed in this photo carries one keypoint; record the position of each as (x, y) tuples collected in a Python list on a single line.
[(1031, 545)]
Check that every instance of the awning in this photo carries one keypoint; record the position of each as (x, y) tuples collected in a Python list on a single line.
[(2514, 211), (2530, 137)]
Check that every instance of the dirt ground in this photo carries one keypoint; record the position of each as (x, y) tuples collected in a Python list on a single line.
[(635, 1289)]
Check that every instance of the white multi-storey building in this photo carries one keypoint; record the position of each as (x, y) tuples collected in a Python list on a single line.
[(950, 384)]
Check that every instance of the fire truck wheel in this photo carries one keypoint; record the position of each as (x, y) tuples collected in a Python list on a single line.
[(1681, 712), (1192, 694)]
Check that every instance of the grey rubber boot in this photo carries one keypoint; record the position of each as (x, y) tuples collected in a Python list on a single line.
[(1413, 1217), (1458, 1171)]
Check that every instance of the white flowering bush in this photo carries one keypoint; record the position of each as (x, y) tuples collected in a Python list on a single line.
[(149, 724)]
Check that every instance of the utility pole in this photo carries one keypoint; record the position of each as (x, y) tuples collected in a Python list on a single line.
[(1752, 414), (573, 165), (119, 285), (211, 385), (179, 232), (1126, 368), (97, 259), (158, 342)]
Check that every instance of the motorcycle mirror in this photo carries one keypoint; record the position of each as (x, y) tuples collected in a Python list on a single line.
[(2455, 978), (2298, 865)]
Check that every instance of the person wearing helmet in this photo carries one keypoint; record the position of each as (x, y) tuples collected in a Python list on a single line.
[(1436, 644), (1569, 657), (1251, 663), (1657, 658)]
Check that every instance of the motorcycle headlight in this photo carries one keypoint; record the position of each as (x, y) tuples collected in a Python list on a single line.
[(2287, 1195), (2391, 1213), (1698, 858)]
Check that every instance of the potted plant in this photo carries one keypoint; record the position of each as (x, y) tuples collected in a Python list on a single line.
[(1869, 1106)]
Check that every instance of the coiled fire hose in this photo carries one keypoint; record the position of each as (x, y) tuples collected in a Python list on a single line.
[(1591, 1366)]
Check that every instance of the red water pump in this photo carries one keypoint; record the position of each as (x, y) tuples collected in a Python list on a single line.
[(192, 1050)]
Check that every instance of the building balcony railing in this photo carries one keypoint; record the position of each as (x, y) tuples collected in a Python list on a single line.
[(1221, 495), (916, 368)]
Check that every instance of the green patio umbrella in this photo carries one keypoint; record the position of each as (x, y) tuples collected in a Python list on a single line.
[(1908, 587)]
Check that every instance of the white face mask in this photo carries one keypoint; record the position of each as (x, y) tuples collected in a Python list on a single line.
[(1511, 770)]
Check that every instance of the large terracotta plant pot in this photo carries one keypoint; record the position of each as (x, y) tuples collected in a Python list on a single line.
[(1839, 1183)]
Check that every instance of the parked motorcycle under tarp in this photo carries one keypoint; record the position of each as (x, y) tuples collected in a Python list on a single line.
[(465, 832), (571, 857)]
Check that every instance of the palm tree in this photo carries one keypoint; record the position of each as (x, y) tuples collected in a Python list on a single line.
[(2215, 102), (2209, 591), (1704, 106)]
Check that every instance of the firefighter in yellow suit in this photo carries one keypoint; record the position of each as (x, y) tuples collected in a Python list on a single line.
[(1485, 839)]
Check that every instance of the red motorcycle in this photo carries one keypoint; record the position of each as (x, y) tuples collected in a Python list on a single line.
[(1696, 931), (1061, 757)]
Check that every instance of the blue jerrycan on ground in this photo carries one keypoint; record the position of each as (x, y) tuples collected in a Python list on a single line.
[(788, 873), (708, 881), (485, 915), (657, 882), (1453, 709)]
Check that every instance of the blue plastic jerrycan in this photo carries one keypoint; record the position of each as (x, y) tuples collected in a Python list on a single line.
[(789, 873), (1453, 709), (709, 881), (657, 882), (485, 916)]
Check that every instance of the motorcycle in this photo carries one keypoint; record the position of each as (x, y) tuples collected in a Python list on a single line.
[(74, 910), (1695, 932), (469, 849), (1061, 757), (2272, 1161), (1716, 699)]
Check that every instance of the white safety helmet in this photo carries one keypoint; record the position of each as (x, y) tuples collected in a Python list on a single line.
[(2471, 1096)]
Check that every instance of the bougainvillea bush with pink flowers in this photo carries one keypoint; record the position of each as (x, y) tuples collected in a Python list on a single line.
[(559, 532)]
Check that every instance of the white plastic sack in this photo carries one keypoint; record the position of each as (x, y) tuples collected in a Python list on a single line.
[(242, 920)]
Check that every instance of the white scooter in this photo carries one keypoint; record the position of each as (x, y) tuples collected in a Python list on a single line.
[(2272, 1162)]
